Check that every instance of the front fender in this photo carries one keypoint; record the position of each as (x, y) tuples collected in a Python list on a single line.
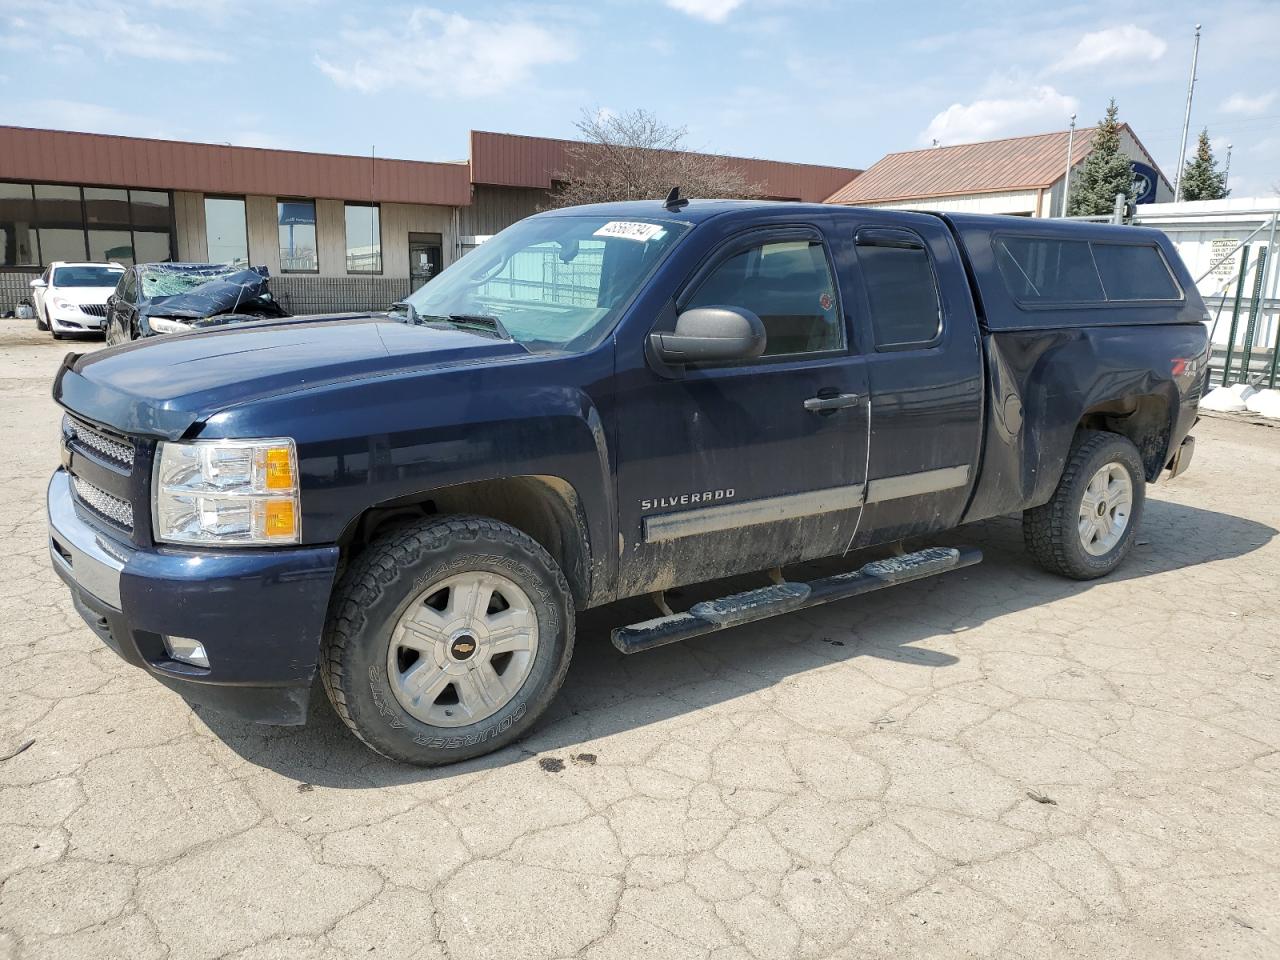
[(371, 442)]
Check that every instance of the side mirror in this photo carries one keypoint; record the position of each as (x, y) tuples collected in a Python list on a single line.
[(711, 335), (38, 284)]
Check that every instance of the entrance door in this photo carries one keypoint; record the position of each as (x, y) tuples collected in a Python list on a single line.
[(741, 467), (426, 258)]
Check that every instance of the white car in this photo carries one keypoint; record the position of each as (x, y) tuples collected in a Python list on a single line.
[(72, 297)]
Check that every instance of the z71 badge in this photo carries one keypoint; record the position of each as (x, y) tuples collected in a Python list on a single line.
[(687, 499)]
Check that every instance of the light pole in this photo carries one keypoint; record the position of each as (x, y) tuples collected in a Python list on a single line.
[(1226, 173), (1186, 119), (1066, 182)]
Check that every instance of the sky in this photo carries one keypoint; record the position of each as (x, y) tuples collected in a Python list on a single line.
[(839, 82)]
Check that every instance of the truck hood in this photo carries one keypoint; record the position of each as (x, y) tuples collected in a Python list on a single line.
[(161, 386)]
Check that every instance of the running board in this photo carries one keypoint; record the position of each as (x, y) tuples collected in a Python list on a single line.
[(712, 615)]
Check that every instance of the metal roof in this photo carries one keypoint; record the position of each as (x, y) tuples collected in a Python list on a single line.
[(511, 160), (992, 166), (56, 156)]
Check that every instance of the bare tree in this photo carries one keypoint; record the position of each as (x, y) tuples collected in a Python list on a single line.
[(635, 156)]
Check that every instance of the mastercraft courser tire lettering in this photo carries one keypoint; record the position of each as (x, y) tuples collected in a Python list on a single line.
[(1088, 527), (495, 576)]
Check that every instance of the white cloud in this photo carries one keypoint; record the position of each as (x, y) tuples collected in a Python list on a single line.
[(1124, 44), (713, 11), (445, 54), (1248, 106), (1040, 108), (107, 28), (82, 116)]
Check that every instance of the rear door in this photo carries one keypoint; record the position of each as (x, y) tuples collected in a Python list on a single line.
[(924, 367), (732, 468)]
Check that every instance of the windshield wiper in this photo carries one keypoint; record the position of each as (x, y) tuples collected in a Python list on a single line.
[(481, 320), (411, 315)]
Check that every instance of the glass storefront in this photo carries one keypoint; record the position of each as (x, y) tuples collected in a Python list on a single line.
[(44, 222)]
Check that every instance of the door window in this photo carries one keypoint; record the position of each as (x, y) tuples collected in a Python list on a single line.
[(901, 289), (128, 290), (788, 285)]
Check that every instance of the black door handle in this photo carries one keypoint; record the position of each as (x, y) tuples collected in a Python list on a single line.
[(829, 404)]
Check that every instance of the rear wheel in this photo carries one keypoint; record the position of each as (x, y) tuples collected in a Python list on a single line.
[(447, 639), (1087, 529)]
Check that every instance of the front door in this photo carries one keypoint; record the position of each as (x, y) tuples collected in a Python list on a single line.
[(734, 468), (426, 258)]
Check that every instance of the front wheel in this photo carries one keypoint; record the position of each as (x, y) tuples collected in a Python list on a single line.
[(447, 639), (1086, 530), (42, 322)]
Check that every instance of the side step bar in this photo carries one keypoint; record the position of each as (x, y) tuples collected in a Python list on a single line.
[(712, 615)]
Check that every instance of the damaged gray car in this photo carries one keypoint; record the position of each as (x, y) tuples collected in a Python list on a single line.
[(165, 298)]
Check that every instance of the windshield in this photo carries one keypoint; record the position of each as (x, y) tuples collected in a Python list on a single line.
[(550, 282), (87, 276), (169, 280)]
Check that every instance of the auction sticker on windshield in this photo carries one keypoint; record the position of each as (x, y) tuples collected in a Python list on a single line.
[(630, 230)]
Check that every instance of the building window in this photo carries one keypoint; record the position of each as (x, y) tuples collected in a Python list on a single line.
[(18, 246), (60, 223), (152, 218), (297, 221), (43, 222), (107, 221), (364, 238), (225, 231)]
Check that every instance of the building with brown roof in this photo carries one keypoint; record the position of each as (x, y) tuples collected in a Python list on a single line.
[(1023, 176), (336, 231)]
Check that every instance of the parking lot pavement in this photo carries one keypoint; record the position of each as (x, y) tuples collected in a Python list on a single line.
[(992, 763)]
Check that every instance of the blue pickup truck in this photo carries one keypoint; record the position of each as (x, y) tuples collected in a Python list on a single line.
[(606, 402)]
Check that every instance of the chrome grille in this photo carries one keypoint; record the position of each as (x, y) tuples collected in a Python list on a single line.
[(112, 449), (94, 309), (119, 512)]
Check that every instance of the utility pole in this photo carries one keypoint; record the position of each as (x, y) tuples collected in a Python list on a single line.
[(1226, 173), (1186, 118), (1066, 182)]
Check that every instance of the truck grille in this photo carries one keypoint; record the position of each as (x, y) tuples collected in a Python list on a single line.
[(94, 309), (114, 450), (111, 508)]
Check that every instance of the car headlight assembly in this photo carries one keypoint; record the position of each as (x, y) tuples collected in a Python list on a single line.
[(167, 325), (227, 493), (60, 303)]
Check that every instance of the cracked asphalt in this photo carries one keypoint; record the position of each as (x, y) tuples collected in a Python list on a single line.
[(993, 763)]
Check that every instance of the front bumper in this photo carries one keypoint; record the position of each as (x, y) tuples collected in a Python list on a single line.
[(75, 320), (258, 613)]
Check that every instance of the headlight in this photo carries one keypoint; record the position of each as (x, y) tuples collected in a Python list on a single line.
[(227, 492), (166, 325), (60, 304)]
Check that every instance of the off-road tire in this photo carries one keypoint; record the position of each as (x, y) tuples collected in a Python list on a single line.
[(1051, 531), (377, 588)]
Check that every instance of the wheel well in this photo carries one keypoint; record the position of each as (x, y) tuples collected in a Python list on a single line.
[(546, 508), (1143, 419)]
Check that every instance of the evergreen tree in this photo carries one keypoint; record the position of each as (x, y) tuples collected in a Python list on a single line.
[(1106, 171), (1201, 178)]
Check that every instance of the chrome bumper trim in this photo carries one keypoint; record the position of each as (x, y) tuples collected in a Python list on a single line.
[(88, 557)]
